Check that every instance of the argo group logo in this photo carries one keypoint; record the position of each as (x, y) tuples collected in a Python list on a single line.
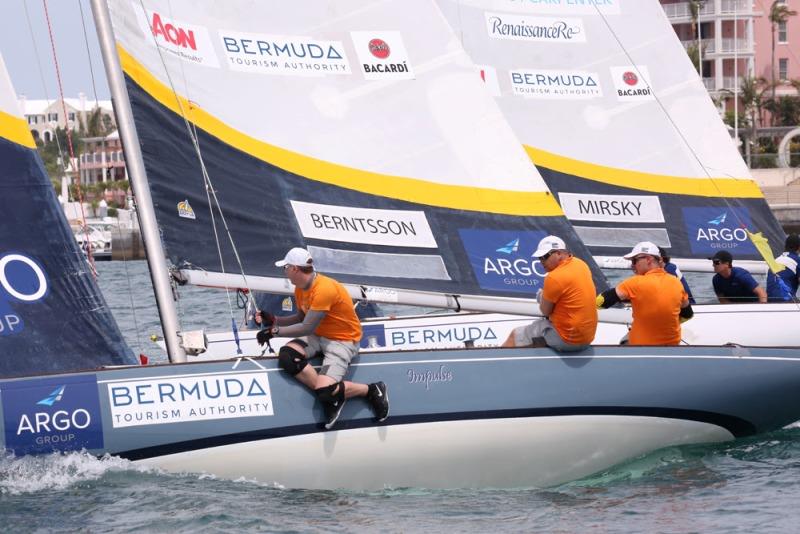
[(54, 414), (502, 260), (712, 229), (23, 280), (382, 55)]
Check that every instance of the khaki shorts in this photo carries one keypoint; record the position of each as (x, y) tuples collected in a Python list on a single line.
[(336, 355), (524, 335)]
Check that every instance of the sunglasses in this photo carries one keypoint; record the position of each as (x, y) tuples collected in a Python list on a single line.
[(715, 262), (637, 258), (544, 258)]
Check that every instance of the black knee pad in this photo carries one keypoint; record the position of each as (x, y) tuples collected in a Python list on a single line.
[(326, 394), (291, 360)]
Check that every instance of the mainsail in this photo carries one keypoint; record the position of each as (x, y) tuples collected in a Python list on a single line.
[(53, 317), (613, 113), (356, 129)]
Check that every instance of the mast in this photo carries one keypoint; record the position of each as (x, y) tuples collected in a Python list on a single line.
[(159, 274)]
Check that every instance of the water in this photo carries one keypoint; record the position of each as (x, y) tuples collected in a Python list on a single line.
[(748, 485)]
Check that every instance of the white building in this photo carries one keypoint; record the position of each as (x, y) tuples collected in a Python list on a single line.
[(44, 116)]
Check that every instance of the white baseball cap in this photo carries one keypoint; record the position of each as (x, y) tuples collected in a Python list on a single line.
[(645, 247), (547, 244), (296, 256)]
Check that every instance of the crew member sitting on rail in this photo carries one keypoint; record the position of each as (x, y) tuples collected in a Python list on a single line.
[(734, 284), (566, 301), (658, 299), (328, 323)]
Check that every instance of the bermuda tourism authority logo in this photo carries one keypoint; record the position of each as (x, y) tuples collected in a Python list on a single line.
[(180, 399), (22, 280), (44, 415), (555, 84), (537, 29), (284, 55), (187, 41), (711, 229), (501, 260), (382, 55)]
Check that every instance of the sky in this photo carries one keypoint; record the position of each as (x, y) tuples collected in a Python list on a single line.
[(17, 40)]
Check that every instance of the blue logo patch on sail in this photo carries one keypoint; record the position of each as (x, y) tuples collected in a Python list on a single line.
[(185, 210), (710, 230), (719, 220), (511, 247), (44, 415), (287, 304), (54, 397), (374, 335), (509, 267)]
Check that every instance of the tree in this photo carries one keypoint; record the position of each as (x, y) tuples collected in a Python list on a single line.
[(695, 6), (778, 13), (751, 92)]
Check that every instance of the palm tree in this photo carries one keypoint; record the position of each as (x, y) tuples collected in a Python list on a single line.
[(694, 9), (778, 13), (751, 92)]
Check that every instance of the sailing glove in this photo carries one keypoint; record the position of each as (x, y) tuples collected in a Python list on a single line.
[(264, 335), (267, 319)]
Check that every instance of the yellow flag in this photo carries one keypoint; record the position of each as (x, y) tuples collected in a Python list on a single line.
[(762, 245)]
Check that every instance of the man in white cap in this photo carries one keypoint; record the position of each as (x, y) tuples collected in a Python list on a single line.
[(567, 302), (325, 323), (658, 299)]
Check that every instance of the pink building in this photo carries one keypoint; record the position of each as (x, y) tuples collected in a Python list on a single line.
[(102, 160), (736, 40)]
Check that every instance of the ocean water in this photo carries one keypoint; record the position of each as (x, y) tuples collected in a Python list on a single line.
[(749, 485)]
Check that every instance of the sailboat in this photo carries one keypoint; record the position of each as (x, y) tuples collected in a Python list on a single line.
[(614, 115), (482, 417)]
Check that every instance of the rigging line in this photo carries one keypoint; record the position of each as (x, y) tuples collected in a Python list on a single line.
[(89, 254), (44, 84), (128, 277), (204, 170)]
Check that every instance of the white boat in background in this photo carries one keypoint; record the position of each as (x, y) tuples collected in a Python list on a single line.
[(94, 238)]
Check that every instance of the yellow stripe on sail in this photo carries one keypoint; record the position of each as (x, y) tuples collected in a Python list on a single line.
[(16, 130), (396, 187), (762, 245), (644, 181)]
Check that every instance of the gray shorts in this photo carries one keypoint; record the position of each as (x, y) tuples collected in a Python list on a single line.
[(336, 355), (524, 335)]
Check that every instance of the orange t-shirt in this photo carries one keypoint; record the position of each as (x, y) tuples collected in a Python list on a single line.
[(327, 295), (656, 298), (571, 288)]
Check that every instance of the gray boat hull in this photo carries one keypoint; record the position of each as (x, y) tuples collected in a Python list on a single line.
[(459, 418)]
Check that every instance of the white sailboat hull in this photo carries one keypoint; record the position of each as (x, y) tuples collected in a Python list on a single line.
[(767, 325), (516, 452)]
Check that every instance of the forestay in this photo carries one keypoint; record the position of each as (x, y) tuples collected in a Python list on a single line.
[(613, 113), (355, 128), (52, 315)]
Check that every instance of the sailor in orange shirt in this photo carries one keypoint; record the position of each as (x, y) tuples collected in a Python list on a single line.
[(658, 299), (328, 324), (567, 302)]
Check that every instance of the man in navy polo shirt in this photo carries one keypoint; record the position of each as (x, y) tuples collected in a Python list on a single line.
[(790, 275), (734, 284)]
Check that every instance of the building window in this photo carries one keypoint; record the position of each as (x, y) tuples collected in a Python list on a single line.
[(783, 69), (52, 117), (782, 33), (71, 116)]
